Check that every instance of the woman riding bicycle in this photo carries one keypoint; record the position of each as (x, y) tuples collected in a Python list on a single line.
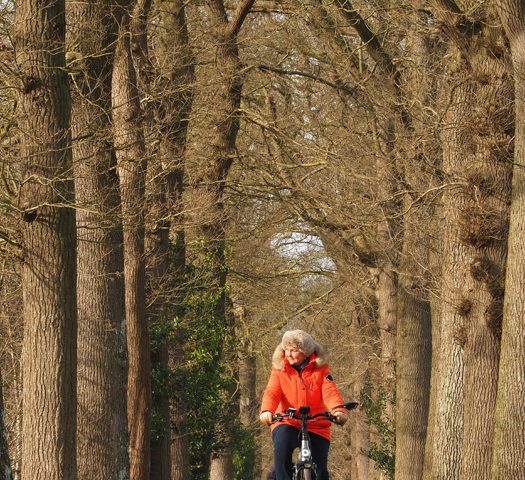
[(300, 377)]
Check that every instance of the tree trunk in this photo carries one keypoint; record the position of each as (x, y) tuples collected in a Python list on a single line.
[(448, 429), (387, 294), (436, 272), (414, 331), (360, 428), (386, 272), (166, 258), (131, 160), (413, 355), (5, 464), (476, 160), (49, 357), (484, 227), (102, 372), (221, 465), (211, 231), (434, 379), (509, 441), (156, 241), (247, 389)]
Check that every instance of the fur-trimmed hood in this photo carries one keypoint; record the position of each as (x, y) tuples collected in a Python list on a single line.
[(305, 343)]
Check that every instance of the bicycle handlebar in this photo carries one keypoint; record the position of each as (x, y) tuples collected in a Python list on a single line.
[(303, 412)]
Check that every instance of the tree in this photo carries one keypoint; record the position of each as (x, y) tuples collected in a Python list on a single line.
[(173, 91), (102, 368), (224, 121), (420, 166), (131, 164), (509, 441), (476, 153), (49, 243)]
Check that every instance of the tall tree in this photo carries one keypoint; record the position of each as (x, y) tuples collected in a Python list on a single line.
[(224, 123), (131, 161), (509, 442), (414, 338), (102, 368), (173, 93), (49, 242), (476, 153)]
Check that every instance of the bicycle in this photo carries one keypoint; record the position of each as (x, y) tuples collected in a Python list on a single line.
[(304, 468)]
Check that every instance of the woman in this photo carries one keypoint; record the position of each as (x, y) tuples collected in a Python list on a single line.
[(300, 377)]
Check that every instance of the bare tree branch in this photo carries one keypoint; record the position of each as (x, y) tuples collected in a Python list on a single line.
[(369, 38), (334, 85), (243, 8)]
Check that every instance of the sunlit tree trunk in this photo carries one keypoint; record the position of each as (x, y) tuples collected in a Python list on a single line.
[(131, 161), (102, 371), (476, 144), (49, 357), (448, 431), (247, 389), (509, 442), (247, 367), (156, 239), (414, 331), (413, 356), (484, 227), (361, 354), (386, 271)]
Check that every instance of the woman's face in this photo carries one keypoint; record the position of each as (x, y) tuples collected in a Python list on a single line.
[(294, 356)]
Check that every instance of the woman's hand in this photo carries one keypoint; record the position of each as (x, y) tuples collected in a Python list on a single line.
[(266, 418), (340, 418)]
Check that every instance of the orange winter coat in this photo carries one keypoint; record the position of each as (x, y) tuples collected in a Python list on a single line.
[(314, 388)]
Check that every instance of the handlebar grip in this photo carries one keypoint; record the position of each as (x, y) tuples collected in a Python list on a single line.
[(348, 405)]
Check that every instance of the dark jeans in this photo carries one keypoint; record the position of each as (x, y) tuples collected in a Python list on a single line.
[(285, 440)]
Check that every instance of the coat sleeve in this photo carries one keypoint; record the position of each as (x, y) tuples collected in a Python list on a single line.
[(272, 394), (331, 396)]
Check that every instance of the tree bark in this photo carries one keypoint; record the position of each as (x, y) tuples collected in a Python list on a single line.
[(247, 389), (5, 463), (414, 333), (386, 271), (488, 178), (221, 466), (448, 430), (413, 354), (360, 428), (476, 160), (247, 372), (49, 356), (131, 161), (102, 421), (509, 441)]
